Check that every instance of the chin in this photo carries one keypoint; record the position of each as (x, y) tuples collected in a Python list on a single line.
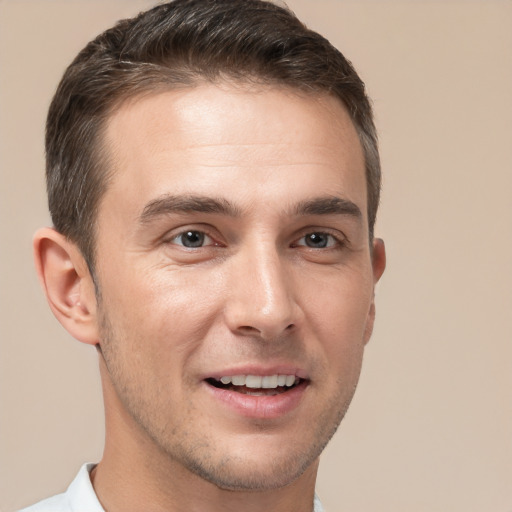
[(242, 475), (257, 465)]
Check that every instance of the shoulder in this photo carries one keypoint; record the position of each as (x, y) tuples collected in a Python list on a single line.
[(79, 497), (317, 505), (58, 503)]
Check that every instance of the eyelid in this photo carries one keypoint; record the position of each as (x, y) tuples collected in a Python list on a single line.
[(171, 236), (208, 241), (339, 238), (215, 239)]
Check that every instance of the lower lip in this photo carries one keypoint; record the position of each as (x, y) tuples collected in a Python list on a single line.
[(263, 406)]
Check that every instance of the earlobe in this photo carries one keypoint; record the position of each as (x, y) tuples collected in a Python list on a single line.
[(67, 283)]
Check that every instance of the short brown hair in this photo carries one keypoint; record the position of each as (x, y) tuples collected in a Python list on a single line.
[(180, 44)]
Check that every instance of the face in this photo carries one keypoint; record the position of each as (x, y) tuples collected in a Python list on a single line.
[(236, 279)]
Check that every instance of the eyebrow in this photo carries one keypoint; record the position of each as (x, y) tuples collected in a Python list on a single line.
[(169, 204), (328, 206)]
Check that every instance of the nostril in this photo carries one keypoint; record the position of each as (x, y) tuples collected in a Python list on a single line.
[(248, 329), (266, 334)]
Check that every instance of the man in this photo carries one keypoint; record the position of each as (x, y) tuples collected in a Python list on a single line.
[(213, 179)]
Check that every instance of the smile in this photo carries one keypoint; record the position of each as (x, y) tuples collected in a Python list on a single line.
[(256, 385)]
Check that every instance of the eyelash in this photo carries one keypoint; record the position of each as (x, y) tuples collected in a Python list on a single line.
[(202, 235), (333, 241)]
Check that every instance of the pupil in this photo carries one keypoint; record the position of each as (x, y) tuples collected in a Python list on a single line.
[(193, 239), (316, 240)]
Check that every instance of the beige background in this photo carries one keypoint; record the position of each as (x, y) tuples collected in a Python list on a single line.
[(430, 429)]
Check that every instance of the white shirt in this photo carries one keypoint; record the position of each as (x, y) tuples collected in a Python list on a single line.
[(80, 497)]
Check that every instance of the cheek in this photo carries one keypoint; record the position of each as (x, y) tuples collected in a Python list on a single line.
[(339, 304), (163, 307), (338, 317)]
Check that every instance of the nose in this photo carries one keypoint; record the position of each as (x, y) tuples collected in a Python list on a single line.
[(262, 300)]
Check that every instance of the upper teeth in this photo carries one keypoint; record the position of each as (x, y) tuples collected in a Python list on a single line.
[(256, 381)]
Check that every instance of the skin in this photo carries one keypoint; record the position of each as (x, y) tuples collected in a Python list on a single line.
[(253, 173)]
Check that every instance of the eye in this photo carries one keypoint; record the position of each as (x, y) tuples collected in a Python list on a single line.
[(318, 240), (192, 239)]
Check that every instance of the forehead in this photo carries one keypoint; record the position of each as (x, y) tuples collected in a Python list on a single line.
[(210, 136)]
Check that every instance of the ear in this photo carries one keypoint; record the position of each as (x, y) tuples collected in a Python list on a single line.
[(67, 283), (378, 267)]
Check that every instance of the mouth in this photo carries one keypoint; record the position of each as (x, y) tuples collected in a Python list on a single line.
[(257, 385)]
